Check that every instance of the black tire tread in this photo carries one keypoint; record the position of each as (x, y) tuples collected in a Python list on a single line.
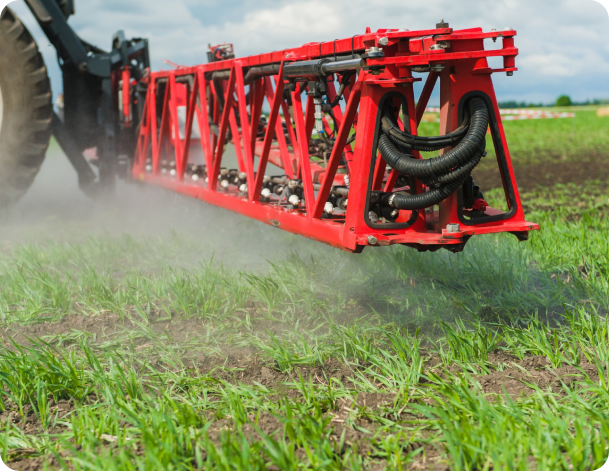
[(24, 136)]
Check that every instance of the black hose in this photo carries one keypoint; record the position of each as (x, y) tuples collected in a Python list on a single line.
[(343, 85), (421, 143), (423, 200), (444, 174)]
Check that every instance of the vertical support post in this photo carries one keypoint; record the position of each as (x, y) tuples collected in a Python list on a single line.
[(283, 145), (163, 130), (190, 116), (245, 128), (449, 118), (154, 126), (309, 120), (288, 121), (173, 113), (256, 100), (215, 114), (360, 167), (337, 152), (203, 119), (303, 147), (413, 125), (126, 92), (237, 141), (228, 106), (268, 138), (143, 141)]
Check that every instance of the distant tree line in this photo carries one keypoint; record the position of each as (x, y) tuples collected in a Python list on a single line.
[(563, 100)]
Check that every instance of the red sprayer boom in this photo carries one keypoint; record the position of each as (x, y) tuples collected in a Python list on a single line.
[(340, 118)]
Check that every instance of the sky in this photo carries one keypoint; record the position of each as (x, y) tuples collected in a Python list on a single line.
[(564, 44)]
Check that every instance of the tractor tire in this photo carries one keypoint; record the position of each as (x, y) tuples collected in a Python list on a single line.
[(26, 109)]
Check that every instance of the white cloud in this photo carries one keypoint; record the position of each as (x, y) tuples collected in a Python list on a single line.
[(564, 44)]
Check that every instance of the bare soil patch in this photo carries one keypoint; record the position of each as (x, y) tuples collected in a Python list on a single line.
[(520, 378), (553, 170)]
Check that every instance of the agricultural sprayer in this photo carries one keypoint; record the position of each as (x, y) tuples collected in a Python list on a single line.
[(325, 135)]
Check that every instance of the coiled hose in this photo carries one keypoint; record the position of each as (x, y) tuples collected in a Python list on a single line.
[(444, 174)]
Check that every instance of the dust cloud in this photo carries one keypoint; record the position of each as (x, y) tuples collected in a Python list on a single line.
[(397, 282), (54, 209)]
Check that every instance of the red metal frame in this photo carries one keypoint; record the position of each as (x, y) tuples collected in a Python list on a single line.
[(460, 63)]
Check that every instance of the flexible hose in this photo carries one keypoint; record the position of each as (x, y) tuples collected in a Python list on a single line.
[(444, 174), (421, 143)]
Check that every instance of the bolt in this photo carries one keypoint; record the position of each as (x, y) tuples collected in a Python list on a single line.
[(452, 228), (372, 240), (375, 52), (510, 74), (383, 41)]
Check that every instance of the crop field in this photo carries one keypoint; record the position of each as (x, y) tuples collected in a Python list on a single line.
[(137, 347)]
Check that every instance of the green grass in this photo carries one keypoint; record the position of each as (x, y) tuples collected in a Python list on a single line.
[(148, 398)]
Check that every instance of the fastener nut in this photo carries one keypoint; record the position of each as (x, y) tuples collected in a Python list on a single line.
[(372, 240), (452, 228)]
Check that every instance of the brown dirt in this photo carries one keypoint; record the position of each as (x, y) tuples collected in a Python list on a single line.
[(100, 327), (548, 173), (516, 381), (32, 464), (19, 459)]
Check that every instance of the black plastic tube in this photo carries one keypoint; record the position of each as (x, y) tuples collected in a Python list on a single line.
[(423, 200), (421, 143), (444, 174)]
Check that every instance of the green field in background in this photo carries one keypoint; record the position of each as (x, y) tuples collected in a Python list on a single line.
[(535, 140)]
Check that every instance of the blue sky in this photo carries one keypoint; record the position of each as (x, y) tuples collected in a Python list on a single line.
[(564, 44)]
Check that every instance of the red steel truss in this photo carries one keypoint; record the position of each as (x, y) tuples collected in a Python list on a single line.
[(191, 113)]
